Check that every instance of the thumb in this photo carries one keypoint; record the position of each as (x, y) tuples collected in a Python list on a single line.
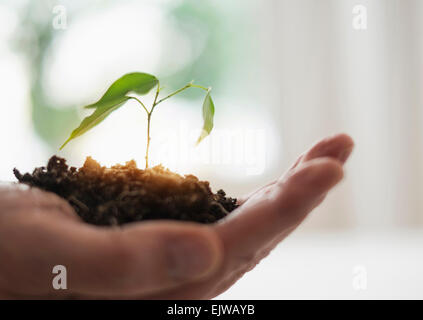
[(135, 260), (149, 257)]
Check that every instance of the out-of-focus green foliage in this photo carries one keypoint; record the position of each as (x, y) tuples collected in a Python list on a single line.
[(196, 19), (205, 26), (33, 40)]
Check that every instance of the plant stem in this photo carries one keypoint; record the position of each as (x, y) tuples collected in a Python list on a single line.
[(155, 103), (189, 85), (139, 101), (155, 98), (148, 139), (149, 122)]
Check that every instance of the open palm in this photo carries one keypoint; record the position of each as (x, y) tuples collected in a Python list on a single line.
[(156, 259)]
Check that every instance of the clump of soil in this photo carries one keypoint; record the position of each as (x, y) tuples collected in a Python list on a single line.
[(124, 193)]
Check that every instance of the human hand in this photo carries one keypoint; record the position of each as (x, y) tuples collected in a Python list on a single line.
[(156, 259)]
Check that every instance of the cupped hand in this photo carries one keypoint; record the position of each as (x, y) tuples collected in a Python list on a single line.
[(157, 259)]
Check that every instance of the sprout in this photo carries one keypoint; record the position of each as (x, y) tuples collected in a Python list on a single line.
[(141, 84)]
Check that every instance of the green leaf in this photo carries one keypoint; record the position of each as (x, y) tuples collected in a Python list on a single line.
[(114, 98), (137, 82), (208, 114), (96, 117)]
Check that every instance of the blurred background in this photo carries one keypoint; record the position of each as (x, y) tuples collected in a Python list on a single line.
[(284, 73)]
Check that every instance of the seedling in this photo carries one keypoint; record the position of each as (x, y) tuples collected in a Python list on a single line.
[(123, 193), (140, 83)]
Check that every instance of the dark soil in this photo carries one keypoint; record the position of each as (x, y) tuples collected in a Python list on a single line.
[(124, 193)]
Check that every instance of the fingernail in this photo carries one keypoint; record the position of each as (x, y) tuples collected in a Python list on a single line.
[(191, 258)]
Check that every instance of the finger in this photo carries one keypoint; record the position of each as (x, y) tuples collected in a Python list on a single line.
[(338, 146), (268, 216), (138, 259), (250, 232), (278, 209), (243, 199), (297, 162), (17, 200)]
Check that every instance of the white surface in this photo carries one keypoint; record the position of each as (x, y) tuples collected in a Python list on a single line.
[(321, 266)]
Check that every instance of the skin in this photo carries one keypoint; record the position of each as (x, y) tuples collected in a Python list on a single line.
[(160, 259)]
